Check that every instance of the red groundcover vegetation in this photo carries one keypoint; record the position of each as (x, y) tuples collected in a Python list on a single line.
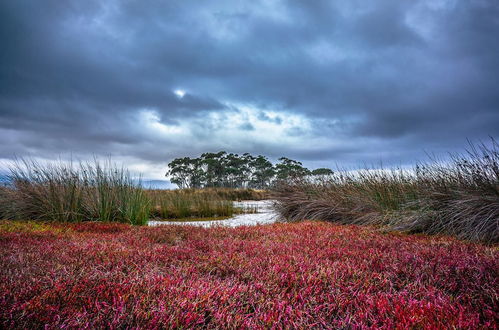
[(283, 275)]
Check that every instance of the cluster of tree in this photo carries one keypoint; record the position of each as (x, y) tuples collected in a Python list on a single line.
[(230, 170)]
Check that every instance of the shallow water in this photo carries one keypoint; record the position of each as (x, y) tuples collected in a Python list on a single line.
[(265, 214)]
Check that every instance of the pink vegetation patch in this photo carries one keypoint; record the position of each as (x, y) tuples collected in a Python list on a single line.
[(282, 275)]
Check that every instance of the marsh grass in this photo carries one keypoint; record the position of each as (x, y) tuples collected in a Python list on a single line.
[(73, 193), (181, 204), (68, 192), (228, 194), (239, 194), (459, 197), (194, 219)]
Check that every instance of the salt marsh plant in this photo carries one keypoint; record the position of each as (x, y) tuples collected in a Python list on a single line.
[(286, 276)]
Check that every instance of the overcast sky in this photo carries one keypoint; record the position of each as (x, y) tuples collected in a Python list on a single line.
[(325, 82)]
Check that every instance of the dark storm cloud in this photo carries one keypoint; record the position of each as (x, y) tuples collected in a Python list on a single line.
[(356, 81)]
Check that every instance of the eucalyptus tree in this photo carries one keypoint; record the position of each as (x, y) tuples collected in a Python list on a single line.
[(186, 172), (224, 169), (213, 167), (179, 172), (263, 172), (322, 175), (322, 171), (290, 169), (237, 170)]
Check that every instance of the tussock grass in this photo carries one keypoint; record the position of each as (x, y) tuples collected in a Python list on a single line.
[(73, 193), (104, 192), (460, 197)]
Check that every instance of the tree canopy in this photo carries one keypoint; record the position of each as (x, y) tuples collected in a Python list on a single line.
[(230, 170)]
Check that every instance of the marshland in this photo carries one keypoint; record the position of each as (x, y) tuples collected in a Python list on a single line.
[(364, 221), (267, 164), (457, 197)]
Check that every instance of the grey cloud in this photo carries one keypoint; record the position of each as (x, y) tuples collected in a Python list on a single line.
[(265, 117), (402, 76), (247, 127)]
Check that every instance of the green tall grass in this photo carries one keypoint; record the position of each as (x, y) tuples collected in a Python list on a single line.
[(73, 193), (458, 197)]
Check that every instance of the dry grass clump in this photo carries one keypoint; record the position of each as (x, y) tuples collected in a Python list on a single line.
[(177, 204), (230, 194), (73, 193), (460, 197), (240, 194), (201, 203)]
